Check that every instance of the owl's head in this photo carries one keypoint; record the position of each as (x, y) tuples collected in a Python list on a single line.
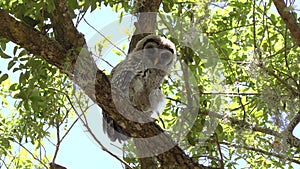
[(156, 52)]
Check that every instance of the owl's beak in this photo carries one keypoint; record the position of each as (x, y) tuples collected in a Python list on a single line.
[(156, 60)]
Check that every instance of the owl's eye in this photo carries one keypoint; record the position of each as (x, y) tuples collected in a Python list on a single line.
[(165, 55)]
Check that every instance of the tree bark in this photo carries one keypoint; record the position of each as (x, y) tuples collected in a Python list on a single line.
[(289, 19), (65, 32), (147, 21)]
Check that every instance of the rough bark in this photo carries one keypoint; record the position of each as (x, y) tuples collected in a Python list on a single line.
[(56, 166), (63, 53), (32, 40), (65, 32), (147, 21), (289, 19)]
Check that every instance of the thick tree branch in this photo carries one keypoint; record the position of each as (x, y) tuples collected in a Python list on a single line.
[(56, 166), (65, 31), (173, 158), (32, 40), (289, 19), (294, 122)]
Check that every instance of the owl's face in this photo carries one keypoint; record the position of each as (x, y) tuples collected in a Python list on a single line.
[(156, 52)]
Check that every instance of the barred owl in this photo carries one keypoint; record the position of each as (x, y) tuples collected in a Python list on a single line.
[(139, 77)]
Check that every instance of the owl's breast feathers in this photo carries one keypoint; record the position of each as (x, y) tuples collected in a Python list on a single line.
[(142, 85), (138, 79)]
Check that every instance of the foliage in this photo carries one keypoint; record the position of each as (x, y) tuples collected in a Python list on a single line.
[(260, 64), (244, 63)]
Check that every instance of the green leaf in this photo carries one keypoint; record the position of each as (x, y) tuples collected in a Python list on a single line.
[(93, 6), (16, 69), (121, 16), (73, 4), (3, 43), (15, 50), (11, 64), (5, 143), (22, 53), (219, 129), (166, 7), (4, 55), (14, 87), (3, 77)]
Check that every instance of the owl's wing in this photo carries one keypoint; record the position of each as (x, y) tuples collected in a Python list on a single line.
[(123, 74), (121, 77), (121, 81)]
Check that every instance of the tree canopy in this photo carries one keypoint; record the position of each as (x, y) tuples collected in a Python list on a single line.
[(232, 100)]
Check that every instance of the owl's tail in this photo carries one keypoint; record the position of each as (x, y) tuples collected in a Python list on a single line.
[(113, 129)]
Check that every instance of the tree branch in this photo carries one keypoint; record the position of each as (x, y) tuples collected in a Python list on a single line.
[(289, 19), (294, 122), (65, 31), (147, 21), (292, 140), (31, 39), (32, 154), (261, 151)]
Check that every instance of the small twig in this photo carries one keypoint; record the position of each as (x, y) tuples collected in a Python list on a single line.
[(73, 124), (175, 100), (272, 73), (66, 115), (209, 157), (33, 156), (100, 144), (220, 151), (283, 50), (288, 75), (58, 124), (85, 124), (105, 37), (80, 18), (231, 93), (243, 106), (58, 141), (3, 162), (261, 151), (227, 29), (293, 141), (102, 60), (45, 151), (237, 108)]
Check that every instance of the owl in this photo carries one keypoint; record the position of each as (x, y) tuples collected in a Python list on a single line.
[(139, 78)]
